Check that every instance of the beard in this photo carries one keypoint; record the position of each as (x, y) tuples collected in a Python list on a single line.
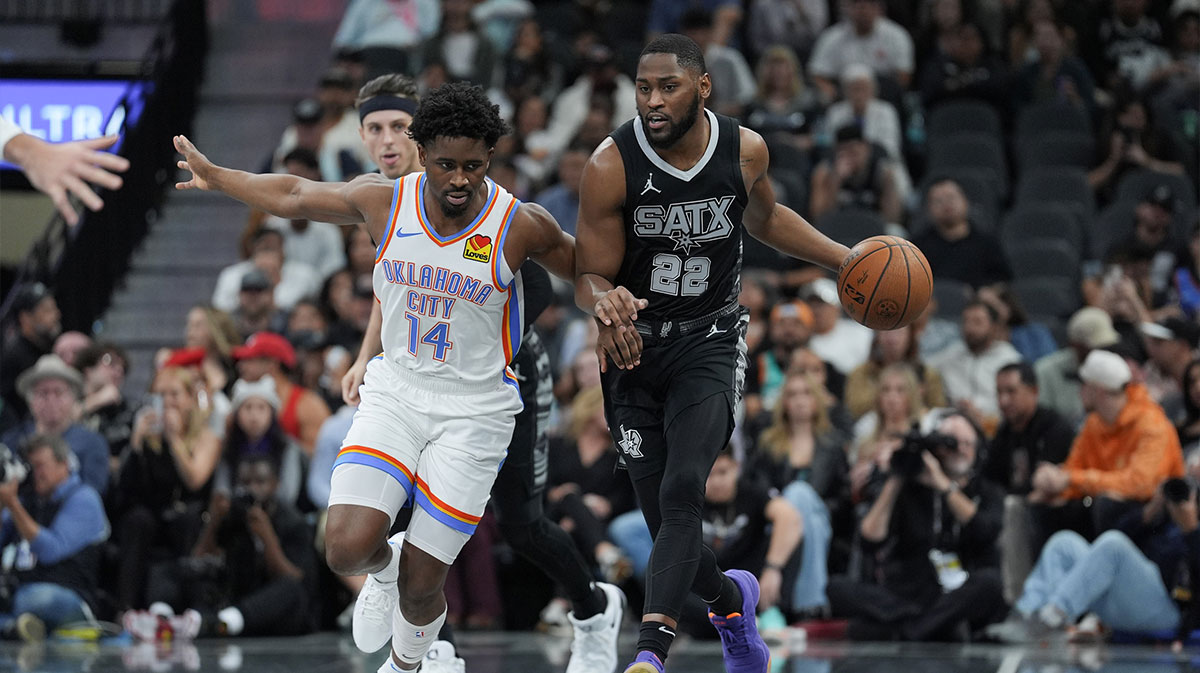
[(674, 130), (451, 210)]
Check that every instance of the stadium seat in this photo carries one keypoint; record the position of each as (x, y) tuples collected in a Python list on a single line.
[(951, 296), (1062, 185), (965, 116), (1045, 222), (1043, 258), (976, 151), (1048, 296), (1056, 148), (1041, 118), (848, 227)]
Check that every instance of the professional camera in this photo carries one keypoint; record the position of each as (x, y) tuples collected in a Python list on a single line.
[(240, 504), (1177, 490), (907, 462), (12, 468)]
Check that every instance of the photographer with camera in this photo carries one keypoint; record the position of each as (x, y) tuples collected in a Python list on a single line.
[(1139, 577), (931, 533), (53, 390), (252, 571), (57, 527)]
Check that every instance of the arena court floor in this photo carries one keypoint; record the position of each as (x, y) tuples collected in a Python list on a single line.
[(499, 652)]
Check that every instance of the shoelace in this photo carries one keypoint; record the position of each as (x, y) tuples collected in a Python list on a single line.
[(377, 600)]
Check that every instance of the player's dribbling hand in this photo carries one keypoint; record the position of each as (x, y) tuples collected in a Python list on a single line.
[(620, 343), (193, 161), (351, 380)]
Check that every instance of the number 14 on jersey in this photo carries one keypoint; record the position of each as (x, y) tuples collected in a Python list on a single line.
[(437, 336)]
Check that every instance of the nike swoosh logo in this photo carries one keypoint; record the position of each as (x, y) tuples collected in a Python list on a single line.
[(667, 631), (401, 234)]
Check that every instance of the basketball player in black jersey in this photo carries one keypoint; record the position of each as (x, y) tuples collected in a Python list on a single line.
[(662, 208)]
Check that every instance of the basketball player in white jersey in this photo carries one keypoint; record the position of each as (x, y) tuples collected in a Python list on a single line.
[(385, 106), (438, 405)]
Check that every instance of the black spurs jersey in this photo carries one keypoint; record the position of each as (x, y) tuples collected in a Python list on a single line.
[(683, 229)]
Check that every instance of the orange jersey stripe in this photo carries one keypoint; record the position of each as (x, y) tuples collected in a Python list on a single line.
[(354, 448), (456, 513), (495, 192)]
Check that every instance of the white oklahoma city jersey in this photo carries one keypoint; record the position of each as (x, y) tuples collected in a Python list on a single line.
[(451, 305)]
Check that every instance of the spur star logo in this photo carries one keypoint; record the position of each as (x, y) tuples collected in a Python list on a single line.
[(688, 225)]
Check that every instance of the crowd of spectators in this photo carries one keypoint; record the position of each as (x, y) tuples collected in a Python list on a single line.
[(1032, 441)]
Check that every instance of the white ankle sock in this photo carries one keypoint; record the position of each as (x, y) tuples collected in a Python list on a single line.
[(233, 620), (411, 641), (391, 571)]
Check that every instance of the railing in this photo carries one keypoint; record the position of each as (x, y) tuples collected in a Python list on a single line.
[(83, 264)]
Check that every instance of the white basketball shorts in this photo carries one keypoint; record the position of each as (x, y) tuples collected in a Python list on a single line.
[(439, 443)]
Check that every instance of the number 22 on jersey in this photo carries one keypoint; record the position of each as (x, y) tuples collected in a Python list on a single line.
[(667, 269)]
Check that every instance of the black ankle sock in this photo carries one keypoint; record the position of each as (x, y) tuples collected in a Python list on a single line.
[(594, 604), (728, 601), (655, 637)]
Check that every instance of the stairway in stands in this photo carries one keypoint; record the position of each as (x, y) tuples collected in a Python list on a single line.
[(256, 71)]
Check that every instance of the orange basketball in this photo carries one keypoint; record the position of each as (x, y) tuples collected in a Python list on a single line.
[(885, 282)]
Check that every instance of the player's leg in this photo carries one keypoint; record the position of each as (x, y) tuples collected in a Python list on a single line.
[(454, 478), (371, 480), (670, 490), (517, 499)]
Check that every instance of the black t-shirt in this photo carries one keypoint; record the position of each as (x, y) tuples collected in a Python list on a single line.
[(976, 260), (19, 354), (601, 477), (921, 521), (245, 564), (737, 531), (1013, 456)]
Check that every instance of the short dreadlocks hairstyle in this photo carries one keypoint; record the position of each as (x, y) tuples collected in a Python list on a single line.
[(457, 110), (688, 54)]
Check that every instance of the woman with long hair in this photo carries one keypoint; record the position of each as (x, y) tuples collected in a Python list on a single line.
[(254, 430), (214, 331), (803, 456), (164, 478), (891, 347), (898, 405)]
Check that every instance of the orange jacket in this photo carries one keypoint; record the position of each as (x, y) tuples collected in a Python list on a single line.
[(1129, 458)]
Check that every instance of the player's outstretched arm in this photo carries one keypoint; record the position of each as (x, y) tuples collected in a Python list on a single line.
[(285, 196), (777, 225), (600, 249), (64, 169)]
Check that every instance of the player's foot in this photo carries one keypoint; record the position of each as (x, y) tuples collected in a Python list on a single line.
[(441, 658), (745, 651), (372, 623), (595, 647), (645, 663), (1019, 629)]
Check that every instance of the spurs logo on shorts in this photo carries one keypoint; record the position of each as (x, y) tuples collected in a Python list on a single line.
[(631, 443)]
